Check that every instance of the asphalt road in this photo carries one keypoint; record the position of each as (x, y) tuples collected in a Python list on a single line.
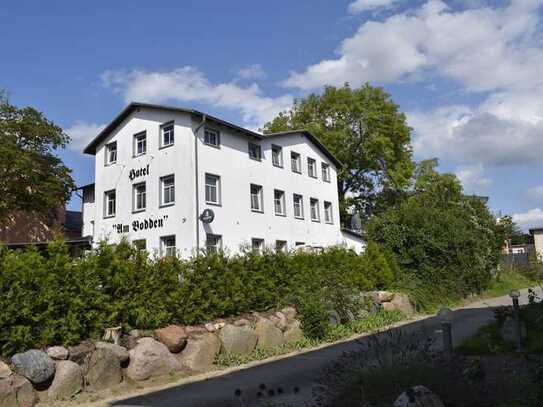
[(292, 379)]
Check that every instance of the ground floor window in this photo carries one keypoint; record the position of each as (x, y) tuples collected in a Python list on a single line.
[(257, 244), (140, 244), (281, 245), (213, 243), (167, 245)]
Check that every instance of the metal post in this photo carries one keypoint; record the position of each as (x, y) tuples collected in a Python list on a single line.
[(518, 327), (446, 328)]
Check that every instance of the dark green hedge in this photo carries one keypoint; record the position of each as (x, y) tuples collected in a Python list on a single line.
[(51, 298)]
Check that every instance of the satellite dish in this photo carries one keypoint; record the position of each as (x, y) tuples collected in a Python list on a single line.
[(207, 216)]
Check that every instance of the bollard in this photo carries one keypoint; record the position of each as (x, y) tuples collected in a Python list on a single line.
[(515, 294), (445, 315)]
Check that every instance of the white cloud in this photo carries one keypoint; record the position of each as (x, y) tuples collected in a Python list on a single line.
[(473, 178), (188, 84), (530, 219), (483, 48), (82, 133), (254, 71), (535, 193), (359, 6)]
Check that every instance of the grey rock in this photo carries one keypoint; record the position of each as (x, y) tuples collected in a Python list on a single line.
[(16, 391), (293, 333), (68, 381), (401, 303), (128, 341), (120, 351), (200, 352), (289, 312), (81, 353), (269, 336), (418, 396), (150, 358), (237, 339), (142, 333), (280, 320), (242, 322), (35, 365), (5, 370), (509, 331), (333, 318), (104, 370), (57, 352), (380, 296)]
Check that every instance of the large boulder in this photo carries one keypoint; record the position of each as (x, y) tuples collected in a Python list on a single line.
[(269, 336), (418, 396), (173, 336), (380, 296), (400, 302), (68, 381), (120, 351), (509, 331), (35, 365), (289, 312), (16, 391), (5, 370), (104, 369), (81, 353), (293, 332), (280, 320), (237, 339), (57, 352), (200, 352), (150, 358)]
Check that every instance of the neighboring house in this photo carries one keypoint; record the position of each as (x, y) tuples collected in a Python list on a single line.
[(537, 234), (22, 229), (176, 180)]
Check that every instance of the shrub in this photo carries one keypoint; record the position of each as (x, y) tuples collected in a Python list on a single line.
[(50, 298)]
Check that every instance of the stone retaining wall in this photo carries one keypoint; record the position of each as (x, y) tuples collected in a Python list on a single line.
[(59, 373)]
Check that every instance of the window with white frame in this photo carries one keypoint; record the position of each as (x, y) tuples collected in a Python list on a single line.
[(140, 197), (255, 151), (328, 212), (279, 202), (298, 206), (325, 172), (257, 244), (110, 203), (277, 156), (140, 244), (167, 246), (212, 137), (280, 245), (256, 198), (111, 153), (213, 189), (296, 162), (311, 167), (140, 144), (314, 207), (213, 243), (167, 134), (167, 190)]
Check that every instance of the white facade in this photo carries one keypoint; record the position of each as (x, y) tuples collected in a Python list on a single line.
[(235, 222)]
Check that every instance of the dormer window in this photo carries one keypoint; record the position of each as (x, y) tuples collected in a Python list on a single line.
[(111, 153), (255, 151), (167, 134)]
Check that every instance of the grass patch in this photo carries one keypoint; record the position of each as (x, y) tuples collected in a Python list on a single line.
[(371, 323), (511, 280)]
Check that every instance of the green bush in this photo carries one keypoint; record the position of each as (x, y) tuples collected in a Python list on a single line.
[(50, 298)]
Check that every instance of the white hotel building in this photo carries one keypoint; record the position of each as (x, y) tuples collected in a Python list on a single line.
[(173, 179)]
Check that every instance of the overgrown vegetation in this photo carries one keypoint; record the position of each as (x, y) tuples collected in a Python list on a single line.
[(447, 245), (51, 298)]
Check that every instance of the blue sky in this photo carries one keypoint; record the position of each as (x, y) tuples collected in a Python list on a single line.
[(468, 73)]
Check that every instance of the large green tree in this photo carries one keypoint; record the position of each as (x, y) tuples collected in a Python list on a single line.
[(32, 177), (366, 131), (446, 244)]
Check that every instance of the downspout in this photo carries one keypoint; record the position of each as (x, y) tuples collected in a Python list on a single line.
[(204, 118)]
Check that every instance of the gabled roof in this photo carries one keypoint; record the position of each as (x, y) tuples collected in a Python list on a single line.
[(91, 147)]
